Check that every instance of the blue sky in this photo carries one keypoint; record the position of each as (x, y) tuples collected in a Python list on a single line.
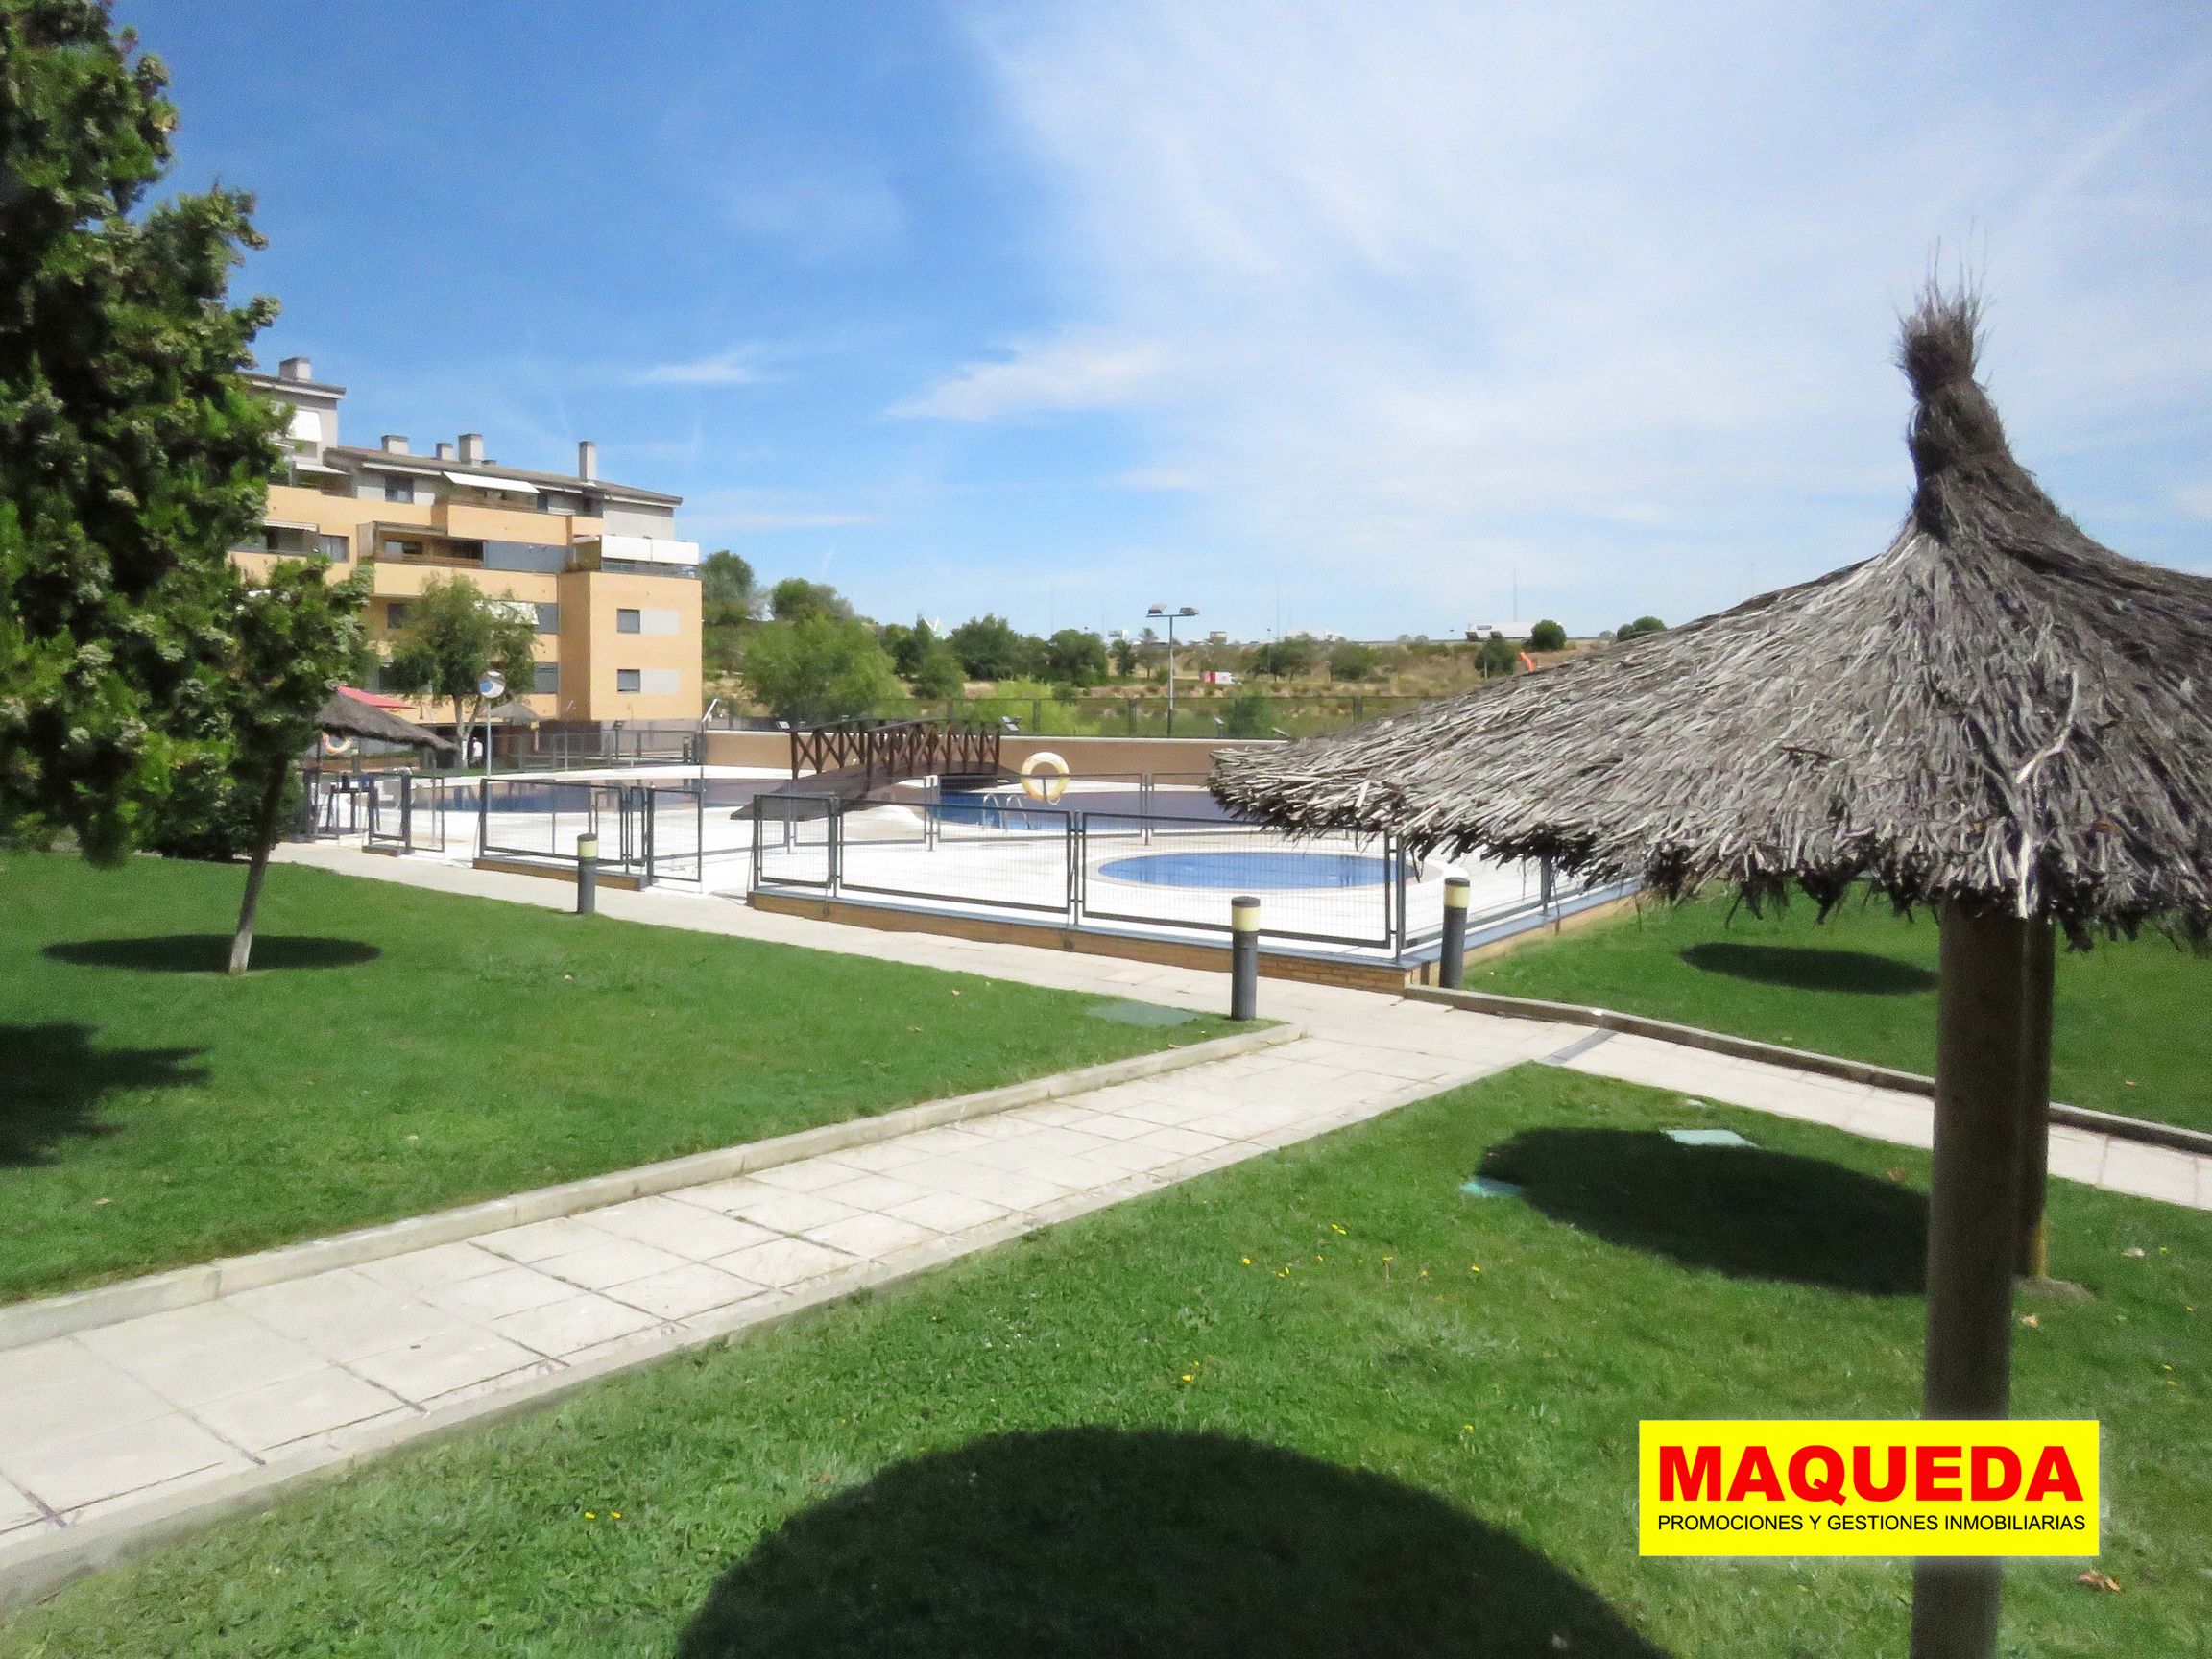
[(1329, 315)]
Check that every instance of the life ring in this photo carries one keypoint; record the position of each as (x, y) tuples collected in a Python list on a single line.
[(337, 745), (1045, 776)]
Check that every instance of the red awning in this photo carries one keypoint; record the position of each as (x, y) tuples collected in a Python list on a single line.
[(376, 699)]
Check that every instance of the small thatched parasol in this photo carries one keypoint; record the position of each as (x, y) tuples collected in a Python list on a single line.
[(1996, 717), (345, 715), (512, 712)]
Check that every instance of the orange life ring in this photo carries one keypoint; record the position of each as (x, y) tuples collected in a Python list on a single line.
[(1041, 785)]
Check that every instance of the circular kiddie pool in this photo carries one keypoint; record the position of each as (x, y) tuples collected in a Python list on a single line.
[(1249, 871)]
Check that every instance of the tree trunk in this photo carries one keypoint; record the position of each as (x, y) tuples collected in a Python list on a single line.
[(2032, 1255), (1972, 1217), (264, 838)]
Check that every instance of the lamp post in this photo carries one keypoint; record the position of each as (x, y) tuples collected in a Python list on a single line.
[(1172, 617)]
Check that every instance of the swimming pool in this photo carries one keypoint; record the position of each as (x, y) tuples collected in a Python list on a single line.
[(1249, 871)]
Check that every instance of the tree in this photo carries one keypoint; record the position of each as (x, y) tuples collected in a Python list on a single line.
[(938, 674), (453, 633), (1354, 663), (728, 587), (988, 647), (1283, 659), (1075, 657), (1637, 629), (794, 599), (132, 456), (818, 669), (1546, 635), (1499, 656), (910, 647), (1124, 655), (296, 635)]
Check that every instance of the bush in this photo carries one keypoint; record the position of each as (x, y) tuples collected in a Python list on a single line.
[(1248, 713), (208, 814), (1637, 629), (1546, 635), (1354, 663)]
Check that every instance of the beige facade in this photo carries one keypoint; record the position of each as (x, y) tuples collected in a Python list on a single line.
[(612, 588)]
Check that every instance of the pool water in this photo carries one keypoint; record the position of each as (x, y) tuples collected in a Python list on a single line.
[(1249, 871)]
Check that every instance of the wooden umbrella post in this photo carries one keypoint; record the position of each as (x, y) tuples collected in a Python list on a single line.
[(1980, 1058), (2031, 1254)]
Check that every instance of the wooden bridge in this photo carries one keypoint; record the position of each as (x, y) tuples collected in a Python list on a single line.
[(852, 759)]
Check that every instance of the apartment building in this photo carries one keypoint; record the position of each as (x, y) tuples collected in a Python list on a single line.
[(598, 566)]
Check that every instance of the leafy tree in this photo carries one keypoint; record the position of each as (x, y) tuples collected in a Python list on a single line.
[(1354, 663), (1499, 656), (1073, 656), (1546, 635), (910, 647), (295, 636), (1282, 659), (988, 647), (1637, 629), (728, 587), (938, 674), (794, 599), (131, 455), (451, 635), (1124, 655), (818, 669)]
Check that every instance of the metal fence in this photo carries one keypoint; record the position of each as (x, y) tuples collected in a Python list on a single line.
[(1123, 864)]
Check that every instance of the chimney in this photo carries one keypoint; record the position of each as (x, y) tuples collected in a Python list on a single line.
[(588, 461), (472, 449), (394, 443), (444, 450), (295, 369)]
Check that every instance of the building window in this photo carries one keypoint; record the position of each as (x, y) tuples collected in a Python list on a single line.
[(548, 502), (394, 612), (400, 490), (629, 680), (548, 618), (403, 549), (629, 622), (333, 547), (545, 678)]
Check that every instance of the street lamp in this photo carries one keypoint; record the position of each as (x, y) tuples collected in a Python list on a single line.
[(1172, 617)]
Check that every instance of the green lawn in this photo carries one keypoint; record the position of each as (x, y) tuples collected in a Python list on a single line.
[(1271, 1411), (2129, 1027), (397, 1052)]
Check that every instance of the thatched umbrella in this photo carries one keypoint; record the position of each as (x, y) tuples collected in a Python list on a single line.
[(1996, 718), (345, 715)]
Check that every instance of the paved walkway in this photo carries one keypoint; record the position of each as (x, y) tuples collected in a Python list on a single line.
[(131, 1421)]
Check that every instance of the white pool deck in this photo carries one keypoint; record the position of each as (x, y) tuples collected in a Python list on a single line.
[(115, 1434)]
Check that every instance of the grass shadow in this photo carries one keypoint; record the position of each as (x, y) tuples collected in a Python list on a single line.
[(1740, 1211), (57, 1079), (210, 952), (1095, 1541), (1810, 967)]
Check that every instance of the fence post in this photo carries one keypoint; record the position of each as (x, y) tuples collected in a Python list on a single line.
[(406, 809), (587, 874), (1243, 957), (483, 815), (1451, 968)]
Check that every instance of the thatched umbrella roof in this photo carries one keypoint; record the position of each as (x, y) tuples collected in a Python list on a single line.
[(512, 712), (1996, 710), (345, 715)]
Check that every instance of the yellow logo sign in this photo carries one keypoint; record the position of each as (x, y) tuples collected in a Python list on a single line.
[(1876, 1488)]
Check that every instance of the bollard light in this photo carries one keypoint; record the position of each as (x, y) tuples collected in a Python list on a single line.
[(1243, 957), (1451, 968), (587, 875)]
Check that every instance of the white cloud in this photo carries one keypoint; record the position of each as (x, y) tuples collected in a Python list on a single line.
[(1606, 294), (1043, 378), (733, 368)]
